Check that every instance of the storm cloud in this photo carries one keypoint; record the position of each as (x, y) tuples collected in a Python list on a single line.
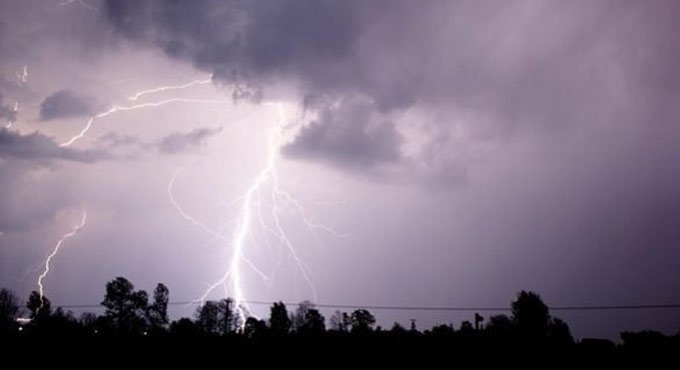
[(464, 149), (179, 142), (40, 148), (496, 68), (65, 104), (351, 134)]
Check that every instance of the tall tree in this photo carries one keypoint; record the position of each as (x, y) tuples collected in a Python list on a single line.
[(530, 315), (158, 310), (208, 318), (559, 333), (499, 326), (255, 328), (9, 311), (307, 320), (279, 322), (362, 321), (218, 318), (126, 307), (38, 308), (340, 322), (228, 319)]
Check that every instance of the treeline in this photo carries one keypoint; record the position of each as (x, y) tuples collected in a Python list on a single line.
[(134, 313)]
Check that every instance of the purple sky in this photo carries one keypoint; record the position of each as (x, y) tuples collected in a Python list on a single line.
[(461, 151)]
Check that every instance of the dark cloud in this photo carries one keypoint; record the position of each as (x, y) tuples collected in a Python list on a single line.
[(40, 148), (350, 134), (238, 39), (65, 104), (179, 142), (174, 143), (544, 66), (116, 140)]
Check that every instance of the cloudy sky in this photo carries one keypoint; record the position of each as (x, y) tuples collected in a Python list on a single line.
[(412, 153)]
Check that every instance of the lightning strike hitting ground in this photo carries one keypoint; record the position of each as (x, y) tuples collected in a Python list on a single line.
[(252, 200), (250, 211), (41, 288)]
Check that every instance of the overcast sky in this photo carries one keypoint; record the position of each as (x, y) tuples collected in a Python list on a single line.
[(459, 151)]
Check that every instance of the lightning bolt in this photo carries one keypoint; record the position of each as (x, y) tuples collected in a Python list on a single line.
[(184, 214), (119, 108), (249, 215), (41, 288), (170, 87), (251, 202)]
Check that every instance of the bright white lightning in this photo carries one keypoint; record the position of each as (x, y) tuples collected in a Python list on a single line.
[(169, 87), (118, 108), (41, 288), (233, 273), (251, 203)]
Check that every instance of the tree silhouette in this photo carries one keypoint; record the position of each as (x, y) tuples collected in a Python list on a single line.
[(398, 329), (128, 312), (362, 322), (89, 321), (217, 318), (228, 319), (38, 308), (443, 331), (208, 318), (40, 314), (9, 311), (279, 322), (530, 315), (466, 328), (157, 313), (340, 322), (558, 332), (126, 307), (184, 327), (307, 320), (255, 328), (499, 326)]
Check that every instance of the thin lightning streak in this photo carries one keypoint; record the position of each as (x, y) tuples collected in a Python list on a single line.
[(54, 253), (180, 210), (170, 87), (118, 108)]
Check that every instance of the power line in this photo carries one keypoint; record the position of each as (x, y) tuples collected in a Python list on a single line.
[(429, 308)]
